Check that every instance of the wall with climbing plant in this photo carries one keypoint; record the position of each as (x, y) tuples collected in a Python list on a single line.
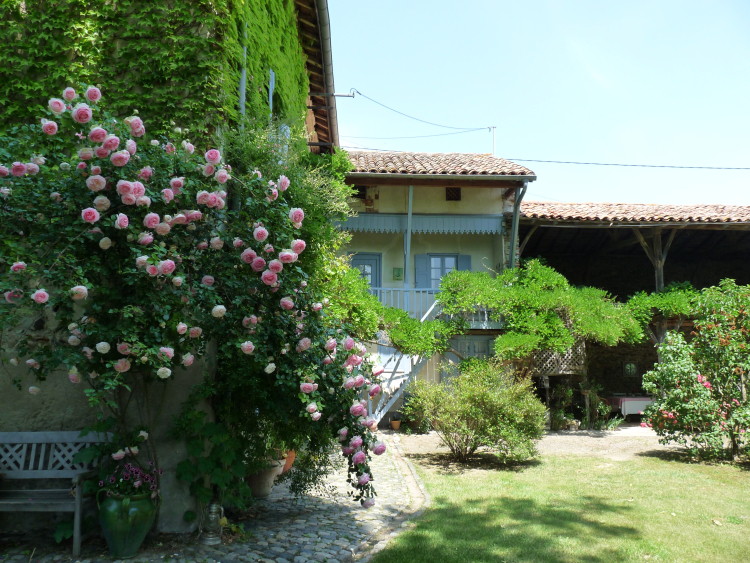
[(174, 61)]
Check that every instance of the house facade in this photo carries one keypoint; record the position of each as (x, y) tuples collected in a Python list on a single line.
[(422, 215)]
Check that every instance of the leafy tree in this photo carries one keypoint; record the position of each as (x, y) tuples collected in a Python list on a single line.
[(659, 311), (539, 310), (701, 386)]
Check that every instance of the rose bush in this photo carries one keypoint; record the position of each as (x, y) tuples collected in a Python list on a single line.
[(126, 258)]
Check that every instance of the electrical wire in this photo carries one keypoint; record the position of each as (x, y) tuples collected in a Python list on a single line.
[(355, 91), (631, 165), (418, 136)]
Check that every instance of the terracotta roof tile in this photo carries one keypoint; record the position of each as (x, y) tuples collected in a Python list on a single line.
[(377, 162), (635, 212)]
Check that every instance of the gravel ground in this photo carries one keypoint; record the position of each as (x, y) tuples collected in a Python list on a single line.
[(620, 444)]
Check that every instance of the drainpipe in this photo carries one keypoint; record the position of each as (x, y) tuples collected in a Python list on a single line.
[(324, 25), (520, 192)]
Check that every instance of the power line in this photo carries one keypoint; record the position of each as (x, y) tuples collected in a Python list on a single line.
[(354, 90), (631, 165), (418, 136)]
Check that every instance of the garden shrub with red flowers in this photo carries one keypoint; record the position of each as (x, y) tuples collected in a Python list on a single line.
[(700, 387), (126, 258)]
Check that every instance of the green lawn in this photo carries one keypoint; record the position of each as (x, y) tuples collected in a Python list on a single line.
[(575, 509)]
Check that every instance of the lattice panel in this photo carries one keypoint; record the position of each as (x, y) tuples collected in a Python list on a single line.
[(12, 456), (572, 362), (61, 456)]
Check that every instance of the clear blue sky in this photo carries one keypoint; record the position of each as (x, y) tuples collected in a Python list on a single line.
[(636, 81)]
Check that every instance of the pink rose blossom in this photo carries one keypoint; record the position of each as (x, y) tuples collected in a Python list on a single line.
[(121, 221), (330, 344), (4, 171), (81, 113), (258, 264), (296, 215), (348, 343), (96, 169), (207, 280), (18, 169), (287, 256), (260, 234), (273, 194), (69, 94), (145, 173), (131, 146), (195, 332), (343, 432), (93, 94), (286, 303), (363, 479), (166, 353), (349, 383), (112, 142), (86, 153), (269, 278), (151, 220), (90, 215), (187, 360), (120, 158), (177, 183), (18, 266), (317, 307), (162, 229), (189, 148), (124, 187), (138, 189), (181, 328), (141, 261), (145, 238), (268, 248), (122, 365), (102, 203), (32, 168), (166, 267), (213, 156), (275, 266), (359, 457), (216, 243), (316, 416), (101, 152), (311, 407), (356, 442), (247, 347), (78, 292), (306, 387), (167, 194), (49, 127), (283, 183), (169, 148), (203, 245), (56, 105), (123, 348), (357, 409), (298, 246), (201, 198), (136, 126), (374, 390), (222, 176), (128, 199), (74, 377), (248, 255), (152, 270), (40, 296), (379, 448), (369, 503), (97, 134), (143, 201), (303, 344)]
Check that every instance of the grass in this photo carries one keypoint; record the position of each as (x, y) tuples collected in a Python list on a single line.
[(579, 509)]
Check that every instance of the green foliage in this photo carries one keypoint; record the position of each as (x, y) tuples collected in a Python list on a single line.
[(485, 406), (413, 337), (183, 57), (700, 387), (538, 308), (653, 311)]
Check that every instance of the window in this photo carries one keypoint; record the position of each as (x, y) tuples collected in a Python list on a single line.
[(368, 264), (452, 194), (360, 192), (441, 265)]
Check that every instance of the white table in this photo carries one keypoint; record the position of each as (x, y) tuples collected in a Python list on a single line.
[(631, 405)]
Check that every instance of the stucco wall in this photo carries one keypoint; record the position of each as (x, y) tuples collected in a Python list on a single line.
[(428, 199)]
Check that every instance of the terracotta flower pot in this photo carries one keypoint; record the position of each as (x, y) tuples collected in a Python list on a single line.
[(395, 424), (291, 455)]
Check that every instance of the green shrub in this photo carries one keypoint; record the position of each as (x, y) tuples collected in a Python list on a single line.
[(485, 406)]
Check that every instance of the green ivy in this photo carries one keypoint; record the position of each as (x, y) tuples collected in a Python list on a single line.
[(177, 59)]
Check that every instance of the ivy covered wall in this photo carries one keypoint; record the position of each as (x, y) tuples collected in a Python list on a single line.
[(172, 60)]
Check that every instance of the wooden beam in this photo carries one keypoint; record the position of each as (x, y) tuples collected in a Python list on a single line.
[(526, 239)]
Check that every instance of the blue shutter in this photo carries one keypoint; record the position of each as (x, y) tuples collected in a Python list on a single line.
[(421, 270), (464, 262)]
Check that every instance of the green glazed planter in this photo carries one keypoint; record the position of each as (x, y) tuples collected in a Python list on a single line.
[(125, 522)]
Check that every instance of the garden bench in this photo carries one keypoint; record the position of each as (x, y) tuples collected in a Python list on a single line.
[(45, 455)]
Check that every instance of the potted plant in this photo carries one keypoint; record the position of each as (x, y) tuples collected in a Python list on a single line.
[(395, 420), (128, 501)]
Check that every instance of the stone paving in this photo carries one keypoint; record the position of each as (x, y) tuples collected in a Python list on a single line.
[(324, 526)]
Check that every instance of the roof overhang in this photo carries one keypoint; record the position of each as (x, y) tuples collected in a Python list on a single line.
[(477, 180), (315, 33)]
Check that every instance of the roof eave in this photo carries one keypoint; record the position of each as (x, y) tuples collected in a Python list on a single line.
[(359, 176)]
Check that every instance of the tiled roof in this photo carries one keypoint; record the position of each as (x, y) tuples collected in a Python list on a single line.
[(635, 212), (376, 162)]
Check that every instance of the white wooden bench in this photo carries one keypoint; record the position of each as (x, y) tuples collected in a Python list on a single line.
[(45, 455)]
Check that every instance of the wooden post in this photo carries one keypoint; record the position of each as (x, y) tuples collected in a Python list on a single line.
[(657, 254)]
